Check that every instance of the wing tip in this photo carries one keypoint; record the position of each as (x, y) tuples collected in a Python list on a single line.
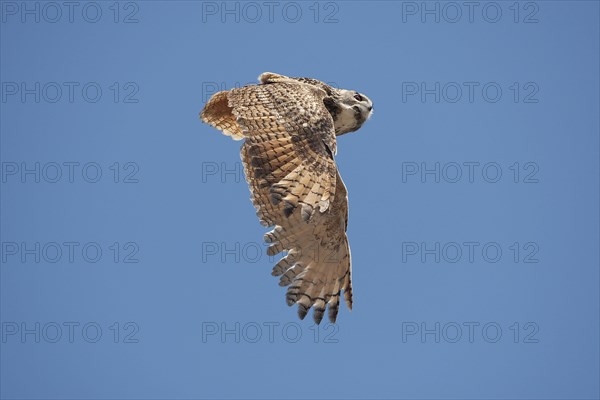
[(302, 311), (271, 77)]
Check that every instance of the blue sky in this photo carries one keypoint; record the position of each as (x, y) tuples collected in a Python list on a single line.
[(132, 263)]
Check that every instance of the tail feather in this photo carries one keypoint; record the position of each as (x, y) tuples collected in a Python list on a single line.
[(218, 114)]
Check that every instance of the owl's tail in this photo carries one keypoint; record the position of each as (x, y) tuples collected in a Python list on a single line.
[(217, 113)]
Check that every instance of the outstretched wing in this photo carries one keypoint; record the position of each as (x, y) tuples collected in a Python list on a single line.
[(289, 165), (317, 265)]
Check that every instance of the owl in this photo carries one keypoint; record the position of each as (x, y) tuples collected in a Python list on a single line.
[(290, 128)]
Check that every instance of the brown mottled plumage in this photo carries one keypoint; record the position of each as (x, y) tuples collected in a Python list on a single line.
[(290, 127)]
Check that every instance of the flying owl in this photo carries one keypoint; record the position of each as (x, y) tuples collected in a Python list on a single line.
[(289, 127)]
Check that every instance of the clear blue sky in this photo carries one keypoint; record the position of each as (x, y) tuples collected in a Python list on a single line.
[(130, 250)]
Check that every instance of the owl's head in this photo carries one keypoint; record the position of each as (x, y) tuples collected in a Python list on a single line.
[(349, 109)]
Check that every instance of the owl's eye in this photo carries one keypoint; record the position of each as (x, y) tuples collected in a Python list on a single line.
[(358, 97)]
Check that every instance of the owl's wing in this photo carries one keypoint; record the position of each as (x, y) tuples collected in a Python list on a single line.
[(289, 165), (317, 266)]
